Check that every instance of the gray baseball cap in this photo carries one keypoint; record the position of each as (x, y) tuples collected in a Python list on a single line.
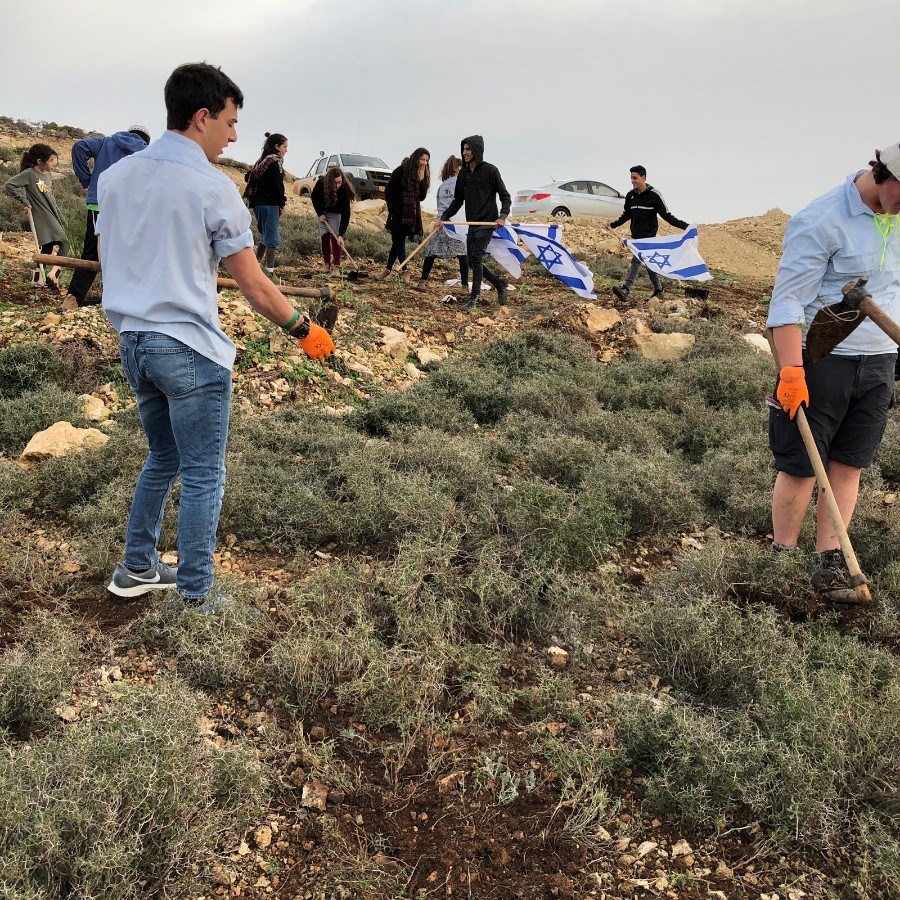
[(890, 156)]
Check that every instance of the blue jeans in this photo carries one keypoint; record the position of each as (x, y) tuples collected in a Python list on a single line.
[(267, 221), (184, 401)]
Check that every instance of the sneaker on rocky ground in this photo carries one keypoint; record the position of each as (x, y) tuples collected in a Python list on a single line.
[(383, 275), (471, 304), (830, 578), (125, 583), (213, 604), (421, 287), (621, 293), (657, 295), (502, 291)]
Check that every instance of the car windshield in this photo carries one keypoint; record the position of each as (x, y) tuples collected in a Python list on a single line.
[(354, 159)]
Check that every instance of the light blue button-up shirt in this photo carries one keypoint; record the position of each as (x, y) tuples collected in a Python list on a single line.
[(837, 239), (166, 219)]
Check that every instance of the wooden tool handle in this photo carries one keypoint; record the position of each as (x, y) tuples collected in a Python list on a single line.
[(322, 293), (37, 243), (346, 251), (871, 309), (834, 512), (422, 244)]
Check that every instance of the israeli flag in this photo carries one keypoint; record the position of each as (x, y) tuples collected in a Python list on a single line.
[(672, 256), (503, 246), (545, 241)]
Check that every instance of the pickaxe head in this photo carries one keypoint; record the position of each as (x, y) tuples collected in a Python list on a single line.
[(837, 322)]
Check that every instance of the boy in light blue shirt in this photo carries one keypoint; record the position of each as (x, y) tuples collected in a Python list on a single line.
[(167, 217), (848, 233)]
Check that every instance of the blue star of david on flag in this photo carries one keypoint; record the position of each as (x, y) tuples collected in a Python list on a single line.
[(549, 257), (681, 261), (545, 241), (660, 259)]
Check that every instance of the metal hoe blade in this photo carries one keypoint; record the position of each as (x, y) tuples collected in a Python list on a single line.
[(837, 322)]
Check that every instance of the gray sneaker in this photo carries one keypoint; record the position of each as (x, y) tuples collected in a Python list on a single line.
[(125, 583), (217, 603)]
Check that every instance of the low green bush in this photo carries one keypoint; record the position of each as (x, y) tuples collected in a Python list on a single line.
[(552, 527), (126, 803), (27, 367), (37, 672), (423, 406), (480, 387), (23, 416), (652, 493), (735, 483)]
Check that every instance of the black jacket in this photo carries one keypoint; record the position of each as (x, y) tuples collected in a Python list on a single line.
[(478, 188), (643, 209), (393, 196), (341, 204), (268, 190)]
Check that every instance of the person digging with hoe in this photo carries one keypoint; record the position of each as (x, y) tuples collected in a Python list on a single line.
[(849, 233), (167, 217), (478, 185)]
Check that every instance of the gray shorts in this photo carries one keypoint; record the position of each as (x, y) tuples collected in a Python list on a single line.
[(849, 398)]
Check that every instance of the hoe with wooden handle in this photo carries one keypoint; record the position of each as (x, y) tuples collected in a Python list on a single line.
[(322, 293)]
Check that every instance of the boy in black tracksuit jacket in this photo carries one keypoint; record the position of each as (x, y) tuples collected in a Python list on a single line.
[(642, 205), (477, 185)]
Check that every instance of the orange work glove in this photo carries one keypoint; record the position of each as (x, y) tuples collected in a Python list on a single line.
[(318, 343), (792, 389)]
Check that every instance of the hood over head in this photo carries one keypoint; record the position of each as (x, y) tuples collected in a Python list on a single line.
[(476, 142), (129, 141)]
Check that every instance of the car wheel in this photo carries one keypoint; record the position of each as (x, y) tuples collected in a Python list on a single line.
[(561, 213)]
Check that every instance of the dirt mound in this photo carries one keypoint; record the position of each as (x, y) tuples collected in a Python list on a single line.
[(749, 247)]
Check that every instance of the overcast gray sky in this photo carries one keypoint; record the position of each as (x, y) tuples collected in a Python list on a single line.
[(734, 106)]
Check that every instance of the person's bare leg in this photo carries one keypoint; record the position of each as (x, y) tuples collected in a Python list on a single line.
[(790, 500), (844, 482)]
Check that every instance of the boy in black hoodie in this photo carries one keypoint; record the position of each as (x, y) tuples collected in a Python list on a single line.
[(478, 185)]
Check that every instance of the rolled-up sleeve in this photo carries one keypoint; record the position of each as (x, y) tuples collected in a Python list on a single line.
[(228, 224), (803, 265)]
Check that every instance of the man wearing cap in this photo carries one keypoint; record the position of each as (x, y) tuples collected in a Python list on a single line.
[(851, 232), (104, 151)]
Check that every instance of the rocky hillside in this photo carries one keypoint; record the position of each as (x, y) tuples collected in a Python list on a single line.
[(504, 620)]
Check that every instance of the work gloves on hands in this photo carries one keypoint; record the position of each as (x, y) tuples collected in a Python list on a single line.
[(792, 389), (315, 340)]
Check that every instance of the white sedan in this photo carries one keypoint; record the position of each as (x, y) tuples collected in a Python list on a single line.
[(569, 198)]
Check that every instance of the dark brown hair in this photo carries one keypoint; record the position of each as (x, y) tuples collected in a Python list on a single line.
[(34, 154), (196, 86), (271, 143), (411, 170), (880, 172), (331, 191)]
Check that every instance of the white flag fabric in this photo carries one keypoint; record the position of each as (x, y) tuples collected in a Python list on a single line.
[(503, 247), (672, 256), (545, 241)]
